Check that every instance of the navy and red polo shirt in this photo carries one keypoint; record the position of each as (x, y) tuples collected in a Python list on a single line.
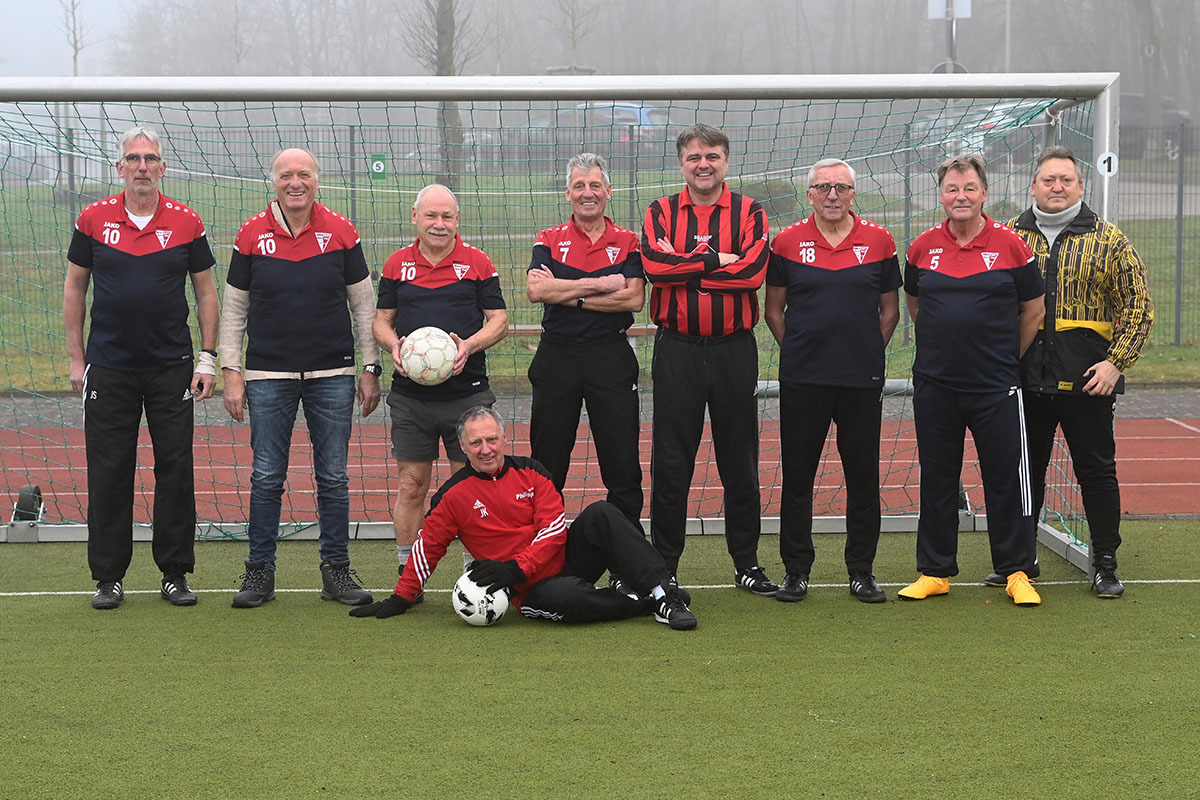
[(832, 335), (970, 295), (450, 295), (298, 319), (139, 315), (693, 294), (571, 254)]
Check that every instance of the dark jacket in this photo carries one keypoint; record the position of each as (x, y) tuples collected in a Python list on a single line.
[(1097, 302)]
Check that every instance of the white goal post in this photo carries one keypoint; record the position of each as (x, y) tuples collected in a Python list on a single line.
[(503, 141)]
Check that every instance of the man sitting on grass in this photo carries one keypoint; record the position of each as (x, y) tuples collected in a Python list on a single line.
[(508, 514)]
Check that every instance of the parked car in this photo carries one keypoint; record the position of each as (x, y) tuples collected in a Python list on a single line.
[(476, 153), (1008, 126), (630, 135)]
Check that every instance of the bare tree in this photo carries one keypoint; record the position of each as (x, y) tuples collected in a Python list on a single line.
[(437, 39), (576, 21), (75, 29)]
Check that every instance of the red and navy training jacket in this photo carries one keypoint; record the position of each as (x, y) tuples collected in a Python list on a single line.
[(966, 330), (139, 315), (693, 294), (831, 325), (516, 514)]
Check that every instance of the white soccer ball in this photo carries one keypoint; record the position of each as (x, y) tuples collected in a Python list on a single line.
[(428, 355), (476, 605)]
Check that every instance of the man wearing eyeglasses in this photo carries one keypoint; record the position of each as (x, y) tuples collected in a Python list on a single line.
[(136, 249), (975, 293), (832, 304), (705, 252), (1098, 318)]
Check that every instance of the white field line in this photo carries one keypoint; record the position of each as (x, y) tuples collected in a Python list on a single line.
[(965, 585)]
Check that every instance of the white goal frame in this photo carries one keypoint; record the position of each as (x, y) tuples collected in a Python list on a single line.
[(1100, 88)]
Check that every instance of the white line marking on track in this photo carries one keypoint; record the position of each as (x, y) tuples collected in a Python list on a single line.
[(1183, 425)]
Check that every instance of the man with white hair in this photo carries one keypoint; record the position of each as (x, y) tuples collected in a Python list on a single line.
[(294, 269), (506, 510), (832, 304), (442, 281), (587, 273), (137, 248)]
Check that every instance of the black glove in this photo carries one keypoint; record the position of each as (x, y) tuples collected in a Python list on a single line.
[(496, 574), (384, 608)]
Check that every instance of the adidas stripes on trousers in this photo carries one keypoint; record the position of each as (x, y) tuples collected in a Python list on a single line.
[(112, 404), (997, 425)]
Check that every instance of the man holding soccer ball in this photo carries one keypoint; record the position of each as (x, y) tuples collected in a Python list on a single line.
[(439, 280), (506, 511)]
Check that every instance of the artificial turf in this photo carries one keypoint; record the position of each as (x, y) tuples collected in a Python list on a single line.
[(958, 696)]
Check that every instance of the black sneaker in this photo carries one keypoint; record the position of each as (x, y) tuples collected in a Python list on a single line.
[(258, 586), (755, 580), (109, 594), (341, 583), (176, 590), (673, 583), (672, 610), (864, 587), (1105, 582), (794, 589)]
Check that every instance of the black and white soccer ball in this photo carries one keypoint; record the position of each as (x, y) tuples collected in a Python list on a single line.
[(475, 605)]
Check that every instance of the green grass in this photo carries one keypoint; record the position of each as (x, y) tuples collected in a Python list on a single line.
[(961, 696), (1166, 364)]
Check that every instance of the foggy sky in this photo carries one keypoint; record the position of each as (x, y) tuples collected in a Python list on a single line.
[(1140, 39)]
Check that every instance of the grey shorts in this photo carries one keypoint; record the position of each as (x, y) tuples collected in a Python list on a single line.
[(418, 424)]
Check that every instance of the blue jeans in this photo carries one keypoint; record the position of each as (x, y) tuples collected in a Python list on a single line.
[(328, 408)]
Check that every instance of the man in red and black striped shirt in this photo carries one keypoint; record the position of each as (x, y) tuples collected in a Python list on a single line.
[(705, 252)]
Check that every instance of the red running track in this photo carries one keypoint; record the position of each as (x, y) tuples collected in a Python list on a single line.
[(1158, 462)]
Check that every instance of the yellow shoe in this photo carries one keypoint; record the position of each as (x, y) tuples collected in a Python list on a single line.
[(1021, 591), (925, 586)]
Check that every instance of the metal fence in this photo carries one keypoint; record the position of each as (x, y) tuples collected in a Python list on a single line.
[(1159, 205)]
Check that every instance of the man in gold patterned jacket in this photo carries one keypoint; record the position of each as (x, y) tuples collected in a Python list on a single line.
[(1098, 318)]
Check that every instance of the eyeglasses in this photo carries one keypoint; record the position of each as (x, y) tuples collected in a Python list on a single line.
[(151, 159), (840, 188)]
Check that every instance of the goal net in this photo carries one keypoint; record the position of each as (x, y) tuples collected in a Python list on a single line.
[(502, 144)]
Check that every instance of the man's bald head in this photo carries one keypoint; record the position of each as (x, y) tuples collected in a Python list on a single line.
[(438, 191), (291, 154), (435, 215)]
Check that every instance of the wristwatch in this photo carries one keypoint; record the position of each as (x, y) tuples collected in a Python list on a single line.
[(374, 369)]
